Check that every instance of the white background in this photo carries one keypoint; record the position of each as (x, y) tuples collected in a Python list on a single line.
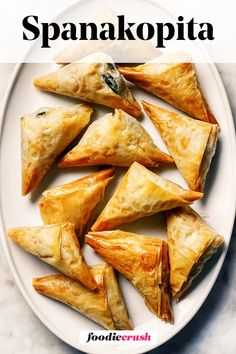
[(220, 13)]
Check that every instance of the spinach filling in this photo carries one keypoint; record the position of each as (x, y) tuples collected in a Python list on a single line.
[(40, 114), (111, 82)]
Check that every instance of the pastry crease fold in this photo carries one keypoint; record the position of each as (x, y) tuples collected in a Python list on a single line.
[(105, 305), (75, 201), (118, 140), (143, 261), (173, 78), (95, 79), (191, 243), (142, 193), (58, 246), (191, 143), (44, 135)]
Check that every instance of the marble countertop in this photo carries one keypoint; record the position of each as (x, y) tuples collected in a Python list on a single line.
[(212, 330)]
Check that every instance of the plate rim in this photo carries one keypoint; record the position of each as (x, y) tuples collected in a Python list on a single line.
[(217, 268)]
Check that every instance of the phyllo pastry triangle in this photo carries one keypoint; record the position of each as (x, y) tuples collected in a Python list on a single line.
[(191, 243), (95, 79), (173, 78), (75, 201), (191, 143), (105, 305), (142, 193), (143, 261), (58, 246), (115, 139), (44, 135)]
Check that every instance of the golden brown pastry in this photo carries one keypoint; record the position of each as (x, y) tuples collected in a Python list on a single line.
[(58, 246), (94, 79), (142, 193), (192, 143), (115, 139), (105, 305), (173, 78), (191, 243), (75, 201), (44, 135), (143, 261)]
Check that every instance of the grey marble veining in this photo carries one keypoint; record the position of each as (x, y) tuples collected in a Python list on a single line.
[(212, 330)]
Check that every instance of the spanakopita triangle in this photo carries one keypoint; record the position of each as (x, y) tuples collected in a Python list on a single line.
[(44, 135), (104, 306), (173, 78), (142, 193), (95, 79), (115, 139), (143, 261), (75, 201), (191, 143), (191, 243), (58, 246)]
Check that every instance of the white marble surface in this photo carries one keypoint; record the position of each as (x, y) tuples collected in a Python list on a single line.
[(212, 330)]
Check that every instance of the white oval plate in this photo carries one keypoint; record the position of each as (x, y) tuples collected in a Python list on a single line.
[(218, 205)]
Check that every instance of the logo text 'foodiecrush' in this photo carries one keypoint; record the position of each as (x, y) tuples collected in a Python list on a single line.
[(119, 337)]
